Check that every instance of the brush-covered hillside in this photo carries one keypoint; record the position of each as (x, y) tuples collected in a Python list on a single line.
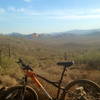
[(44, 51), (51, 47)]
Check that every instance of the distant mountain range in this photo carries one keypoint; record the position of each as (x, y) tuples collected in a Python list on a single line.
[(74, 38), (86, 32), (92, 32)]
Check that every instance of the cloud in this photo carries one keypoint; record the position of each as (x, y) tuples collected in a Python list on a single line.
[(2, 10), (18, 10), (62, 14), (26, 11), (95, 10), (13, 9), (73, 17), (28, 0), (75, 14)]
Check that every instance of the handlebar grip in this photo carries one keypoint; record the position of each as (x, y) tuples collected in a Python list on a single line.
[(23, 65), (20, 61)]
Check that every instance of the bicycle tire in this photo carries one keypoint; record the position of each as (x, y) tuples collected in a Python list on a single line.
[(90, 88), (14, 93)]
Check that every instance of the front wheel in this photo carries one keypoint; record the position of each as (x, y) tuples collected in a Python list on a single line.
[(20, 93), (81, 90)]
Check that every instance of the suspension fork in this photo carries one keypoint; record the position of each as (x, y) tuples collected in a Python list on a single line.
[(24, 87)]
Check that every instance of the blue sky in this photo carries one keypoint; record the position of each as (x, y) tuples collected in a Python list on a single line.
[(46, 16)]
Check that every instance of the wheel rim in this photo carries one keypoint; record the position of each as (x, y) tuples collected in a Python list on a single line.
[(81, 91), (19, 94)]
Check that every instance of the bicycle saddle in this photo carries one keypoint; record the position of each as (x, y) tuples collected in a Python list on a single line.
[(65, 64)]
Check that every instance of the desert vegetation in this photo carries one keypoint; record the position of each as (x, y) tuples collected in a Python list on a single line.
[(43, 55)]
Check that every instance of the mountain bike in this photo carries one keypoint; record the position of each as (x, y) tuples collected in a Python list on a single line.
[(74, 90)]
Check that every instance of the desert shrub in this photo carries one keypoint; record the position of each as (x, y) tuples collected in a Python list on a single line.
[(91, 59)]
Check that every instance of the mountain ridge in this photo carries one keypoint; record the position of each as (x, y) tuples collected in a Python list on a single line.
[(92, 32)]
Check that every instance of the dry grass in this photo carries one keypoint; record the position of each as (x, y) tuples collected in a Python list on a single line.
[(43, 56), (53, 73), (7, 81)]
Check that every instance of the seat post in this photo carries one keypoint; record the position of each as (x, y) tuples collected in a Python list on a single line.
[(62, 75), (61, 79)]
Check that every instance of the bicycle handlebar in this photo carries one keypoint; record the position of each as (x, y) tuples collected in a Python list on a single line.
[(23, 65), (28, 67)]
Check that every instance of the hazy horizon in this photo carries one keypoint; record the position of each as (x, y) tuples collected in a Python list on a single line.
[(48, 16), (73, 31)]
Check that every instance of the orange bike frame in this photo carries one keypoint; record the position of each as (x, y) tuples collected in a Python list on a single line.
[(32, 75)]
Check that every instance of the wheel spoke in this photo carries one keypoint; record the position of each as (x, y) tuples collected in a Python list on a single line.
[(18, 93), (84, 90)]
